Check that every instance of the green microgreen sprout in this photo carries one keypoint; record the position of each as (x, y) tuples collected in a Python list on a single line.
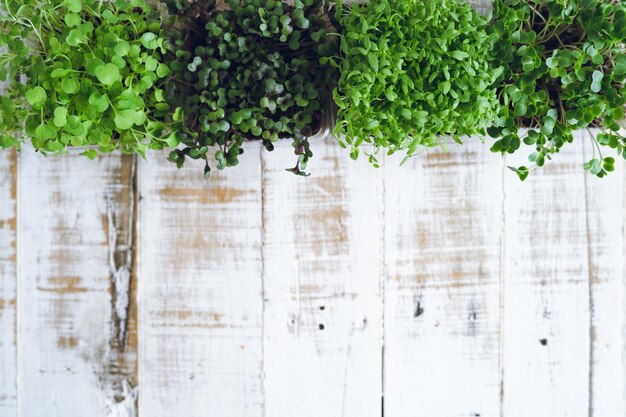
[(565, 70), (249, 70), (412, 71), (83, 72)]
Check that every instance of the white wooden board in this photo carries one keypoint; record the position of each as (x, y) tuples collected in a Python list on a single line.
[(322, 255), (201, 290), (604, 207), (443, 225), (8, 284), (445, 286), (74, 216), (546, 333)]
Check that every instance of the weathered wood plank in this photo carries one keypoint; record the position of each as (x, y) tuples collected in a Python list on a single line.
[(605, 228), (546, 337), (8, 283), (77, 352), (323, 263), (201, 290), (443, 226)]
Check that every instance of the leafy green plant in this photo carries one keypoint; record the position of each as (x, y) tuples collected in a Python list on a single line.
[(566, 67), (248, 70), (83, 72), (412, 70)]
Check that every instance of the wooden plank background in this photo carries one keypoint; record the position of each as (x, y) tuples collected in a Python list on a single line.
[(442, 288), (445, 287)]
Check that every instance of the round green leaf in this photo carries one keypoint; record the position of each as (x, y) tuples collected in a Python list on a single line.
[(620, 65), (125, 119), (162, 71), (122, 48), (107, 74), (70, 85), (99, 101), (60, 116), (596, 83), (72, 19), (74, 6), (36, 97), (45, 132), (149, 40)]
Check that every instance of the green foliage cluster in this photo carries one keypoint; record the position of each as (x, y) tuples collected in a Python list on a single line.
[(565, 70), (249, 70), (410, 71), (117, 74), (83, 72)]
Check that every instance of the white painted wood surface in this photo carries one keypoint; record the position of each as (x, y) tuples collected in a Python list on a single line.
[(8, 284), (322, 243), (443, 223), (72, 357), (546, 291), (201, 315), (604, 207), (142, 290)]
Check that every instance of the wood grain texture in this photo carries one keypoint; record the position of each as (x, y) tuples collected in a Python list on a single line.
[(201, 287), (447, 286), (8, 283), (604, 205), (546, 339), (74, 237), (442, 251), (323, 263)]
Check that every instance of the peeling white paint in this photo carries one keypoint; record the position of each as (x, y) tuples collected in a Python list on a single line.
[(127, 406), (121, 274), (311, 249)]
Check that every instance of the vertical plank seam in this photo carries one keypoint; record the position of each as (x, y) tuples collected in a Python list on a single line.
[(122, 289), (624, 284), (502, 278), (18, 275), (263, 235), (118, 372), (140, 298), (383, 278), (135, 272), (589, 290)]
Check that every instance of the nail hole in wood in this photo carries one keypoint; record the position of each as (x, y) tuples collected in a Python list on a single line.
[(418, 310)]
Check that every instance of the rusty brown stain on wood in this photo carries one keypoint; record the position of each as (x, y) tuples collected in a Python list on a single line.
[(12, 221), (104, 223), (194, 325), (326, 219), (12, 302), (333, 159), (67, 342), (122, 362), (189, 319), (130, 362), (441, 160), (309, 289), (465, 270), (186, 314), (198, 238), (64, 285), (205, 196), (422, 237)]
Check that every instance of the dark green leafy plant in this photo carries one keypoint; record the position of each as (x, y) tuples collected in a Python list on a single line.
[(248, 70), (566, 68), (412, 70), (83, 72)]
